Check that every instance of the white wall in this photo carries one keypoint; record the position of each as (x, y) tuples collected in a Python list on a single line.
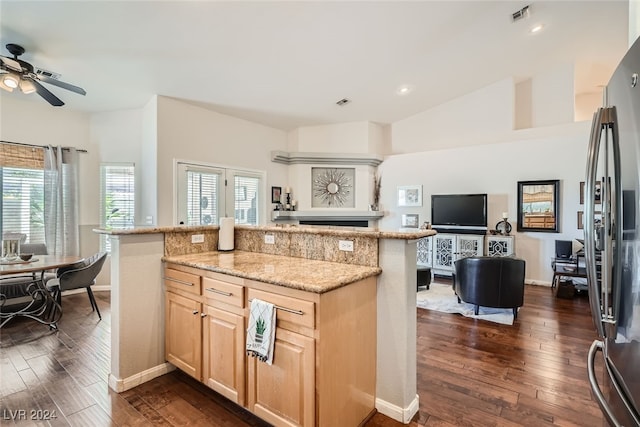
[(469, 120), (553, 97), (353, 137), (557, 152), (148, 194), (188, 132)]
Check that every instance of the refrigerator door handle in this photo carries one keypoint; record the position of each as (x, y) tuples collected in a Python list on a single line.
[(604, 405), (596, 346), (589, 223)]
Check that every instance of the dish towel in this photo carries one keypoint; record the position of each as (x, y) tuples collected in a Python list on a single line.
[(262, 330)]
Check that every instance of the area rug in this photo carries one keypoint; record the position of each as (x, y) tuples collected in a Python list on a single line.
[(441, 297)]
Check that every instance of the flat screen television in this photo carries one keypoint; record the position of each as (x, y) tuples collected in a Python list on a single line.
[(459, 212)]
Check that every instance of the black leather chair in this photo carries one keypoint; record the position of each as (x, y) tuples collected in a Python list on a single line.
[(490, 282)]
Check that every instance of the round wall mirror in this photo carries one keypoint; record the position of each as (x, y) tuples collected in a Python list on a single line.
[(333, 188)]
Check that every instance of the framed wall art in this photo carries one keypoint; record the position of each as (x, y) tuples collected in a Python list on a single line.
[(539, 205), (333, 187), (597, 198), (410, 195), (597, 217), (276, 193), (410, 220)]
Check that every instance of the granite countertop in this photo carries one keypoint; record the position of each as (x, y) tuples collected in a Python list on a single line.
[(296, 273), (402, 234)]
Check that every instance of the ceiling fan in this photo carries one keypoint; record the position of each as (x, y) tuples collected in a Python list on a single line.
[(16, 73)]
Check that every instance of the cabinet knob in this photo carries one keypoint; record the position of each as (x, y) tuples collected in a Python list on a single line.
[(203, 314), (195, 312)]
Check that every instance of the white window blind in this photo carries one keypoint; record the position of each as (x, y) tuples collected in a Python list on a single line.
[(203, 204), (23, 202), (117, 198)]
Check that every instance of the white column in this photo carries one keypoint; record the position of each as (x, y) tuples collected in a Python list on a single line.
[(396, 389), (137, 310)]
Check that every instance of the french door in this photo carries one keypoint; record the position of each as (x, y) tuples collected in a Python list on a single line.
[(207, 193)]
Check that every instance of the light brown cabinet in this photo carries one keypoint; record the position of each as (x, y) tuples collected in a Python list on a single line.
[(324, 364), (205, 330), (223, 358), (293, 367), (183, 330)]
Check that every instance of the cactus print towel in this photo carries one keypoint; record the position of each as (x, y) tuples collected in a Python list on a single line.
[(261, 331)]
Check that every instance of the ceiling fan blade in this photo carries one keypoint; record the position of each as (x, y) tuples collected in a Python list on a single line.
[(48, 96), (11, 64), (63, 85)]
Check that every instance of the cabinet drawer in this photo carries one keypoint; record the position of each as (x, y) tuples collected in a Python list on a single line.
[(290, 309), (186, 282), (224, 292)]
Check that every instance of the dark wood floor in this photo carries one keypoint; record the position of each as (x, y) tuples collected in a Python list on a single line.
[(470, 373)]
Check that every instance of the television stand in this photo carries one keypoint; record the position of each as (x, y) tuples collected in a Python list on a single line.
[(440, 251)]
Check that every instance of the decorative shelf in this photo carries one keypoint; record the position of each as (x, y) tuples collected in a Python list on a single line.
[(325, 158), (326, 215)]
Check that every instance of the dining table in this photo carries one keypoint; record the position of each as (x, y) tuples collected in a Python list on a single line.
[(23, 291)]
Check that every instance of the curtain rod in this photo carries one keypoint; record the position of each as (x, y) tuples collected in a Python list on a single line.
[(34, 145)]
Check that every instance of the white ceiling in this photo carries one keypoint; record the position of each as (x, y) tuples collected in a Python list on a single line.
[(285, 64)]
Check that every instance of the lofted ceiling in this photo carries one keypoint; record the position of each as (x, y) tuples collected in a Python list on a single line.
[(286, 64)]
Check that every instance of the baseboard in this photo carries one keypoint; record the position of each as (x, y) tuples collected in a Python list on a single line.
[(538, 283), (120, 385), (403, 415), (94, 288)]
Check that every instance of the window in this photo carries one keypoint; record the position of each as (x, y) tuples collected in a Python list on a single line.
[(246, 188), (117, 198), (205, 193), (22, 183), (203, 196), (23, 202)]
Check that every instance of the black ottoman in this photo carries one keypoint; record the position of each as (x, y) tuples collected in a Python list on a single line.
[(424, 276)]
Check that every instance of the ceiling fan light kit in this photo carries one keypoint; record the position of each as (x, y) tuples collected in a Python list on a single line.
[(10, 81), (26, 86), (20, 74)]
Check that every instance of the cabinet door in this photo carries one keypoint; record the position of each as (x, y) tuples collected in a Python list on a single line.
[(469, 245), (424, 251), (500, 246), (283, 393), (224, 353), (443, 248), (183, 337)]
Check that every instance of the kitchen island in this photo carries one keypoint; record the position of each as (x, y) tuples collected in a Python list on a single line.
[(325, 336), (138, 311)]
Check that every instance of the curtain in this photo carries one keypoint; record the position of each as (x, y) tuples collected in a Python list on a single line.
[(61, 201)]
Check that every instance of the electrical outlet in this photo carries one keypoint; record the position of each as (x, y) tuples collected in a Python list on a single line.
[(149, 220), (197, 238), (269, 239), (345, 245)]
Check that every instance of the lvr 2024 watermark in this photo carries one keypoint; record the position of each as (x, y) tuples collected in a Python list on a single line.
[(31, 414)]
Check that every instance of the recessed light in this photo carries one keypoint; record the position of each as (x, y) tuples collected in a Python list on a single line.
[(404, 90), (536, 28)]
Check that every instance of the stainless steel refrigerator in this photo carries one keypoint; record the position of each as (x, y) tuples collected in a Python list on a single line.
[(612, 244)]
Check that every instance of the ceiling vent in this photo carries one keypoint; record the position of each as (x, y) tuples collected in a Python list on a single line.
[(520, 14), (42, 72), (343, 102)]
